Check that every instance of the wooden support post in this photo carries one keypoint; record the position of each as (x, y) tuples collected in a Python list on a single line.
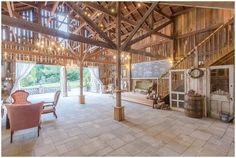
[(63, 79), (118, 109), (129, 73), (81, 97)]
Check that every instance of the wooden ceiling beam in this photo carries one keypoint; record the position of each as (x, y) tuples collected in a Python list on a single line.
[(123, 18), (149, 33), (35, 53), (54, 8), (6, 20), (91, 23), (84, 23), (9, 8), (20, 23), (138, 25), (96, 6), (213, 5), (158, 10), (29, 4), (139, 12), (181, 12)]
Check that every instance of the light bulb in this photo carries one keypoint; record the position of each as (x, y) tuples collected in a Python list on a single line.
[(112, 10)]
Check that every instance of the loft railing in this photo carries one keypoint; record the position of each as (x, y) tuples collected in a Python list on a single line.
[(212, 48), (216, 45)]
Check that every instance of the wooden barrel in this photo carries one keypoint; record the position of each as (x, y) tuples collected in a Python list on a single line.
[(193, 106)]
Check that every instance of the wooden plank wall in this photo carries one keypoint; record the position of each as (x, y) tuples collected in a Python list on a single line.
[(154, 44), (195, 25)]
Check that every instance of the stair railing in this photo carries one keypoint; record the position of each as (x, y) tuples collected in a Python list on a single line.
[(218, 43)]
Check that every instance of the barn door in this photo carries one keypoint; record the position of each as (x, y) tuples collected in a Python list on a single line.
[(221, 79), (177, 89)]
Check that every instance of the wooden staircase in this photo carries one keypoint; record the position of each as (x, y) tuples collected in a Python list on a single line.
[(214, 48)]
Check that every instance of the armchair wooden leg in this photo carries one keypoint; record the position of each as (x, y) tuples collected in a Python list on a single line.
[(39, 130), (54, 113), (12, 132)]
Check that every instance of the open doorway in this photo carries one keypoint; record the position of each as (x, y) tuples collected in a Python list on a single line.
[(46, 79)]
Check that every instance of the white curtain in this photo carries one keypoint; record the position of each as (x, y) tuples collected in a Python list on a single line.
[(22, 70), (96, 83)]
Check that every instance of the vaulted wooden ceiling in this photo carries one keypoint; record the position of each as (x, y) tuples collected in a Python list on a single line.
[(139, 20)]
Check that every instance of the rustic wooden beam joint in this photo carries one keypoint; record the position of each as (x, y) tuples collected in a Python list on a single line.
[(139, 24), (91, 23)]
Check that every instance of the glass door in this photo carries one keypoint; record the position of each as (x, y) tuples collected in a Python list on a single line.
[(221, 90)]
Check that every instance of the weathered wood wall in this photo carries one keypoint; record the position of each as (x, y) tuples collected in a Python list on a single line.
[(195, 25), (188, 29)]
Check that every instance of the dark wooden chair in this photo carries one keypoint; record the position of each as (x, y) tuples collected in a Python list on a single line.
[(50, 107)]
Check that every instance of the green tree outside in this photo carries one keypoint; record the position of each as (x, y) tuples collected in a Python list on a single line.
[(50, 76)]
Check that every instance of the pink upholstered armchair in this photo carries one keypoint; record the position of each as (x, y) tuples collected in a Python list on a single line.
[(20, 97), (24, 116)]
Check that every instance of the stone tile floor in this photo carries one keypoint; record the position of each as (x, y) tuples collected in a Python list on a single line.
[(90, 130)]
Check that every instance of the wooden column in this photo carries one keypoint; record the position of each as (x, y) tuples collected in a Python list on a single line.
[(63, 80), (81, 97), (81, 66), (118, 109), (129, 73)]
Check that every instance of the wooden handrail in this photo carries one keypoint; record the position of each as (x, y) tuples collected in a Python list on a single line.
[(191, 52)]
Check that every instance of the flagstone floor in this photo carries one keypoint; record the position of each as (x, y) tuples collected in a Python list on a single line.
[(90, 130)]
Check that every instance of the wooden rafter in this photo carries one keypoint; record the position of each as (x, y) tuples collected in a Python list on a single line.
[(54, 8), (49, 31), (139, 24), (215, 5), (124, 19), (91, 23), (148, 33), (100, 8), (161, 13)]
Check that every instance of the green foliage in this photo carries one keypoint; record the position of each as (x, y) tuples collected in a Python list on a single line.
[(48, 75), (73, 74), (87, 78)]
